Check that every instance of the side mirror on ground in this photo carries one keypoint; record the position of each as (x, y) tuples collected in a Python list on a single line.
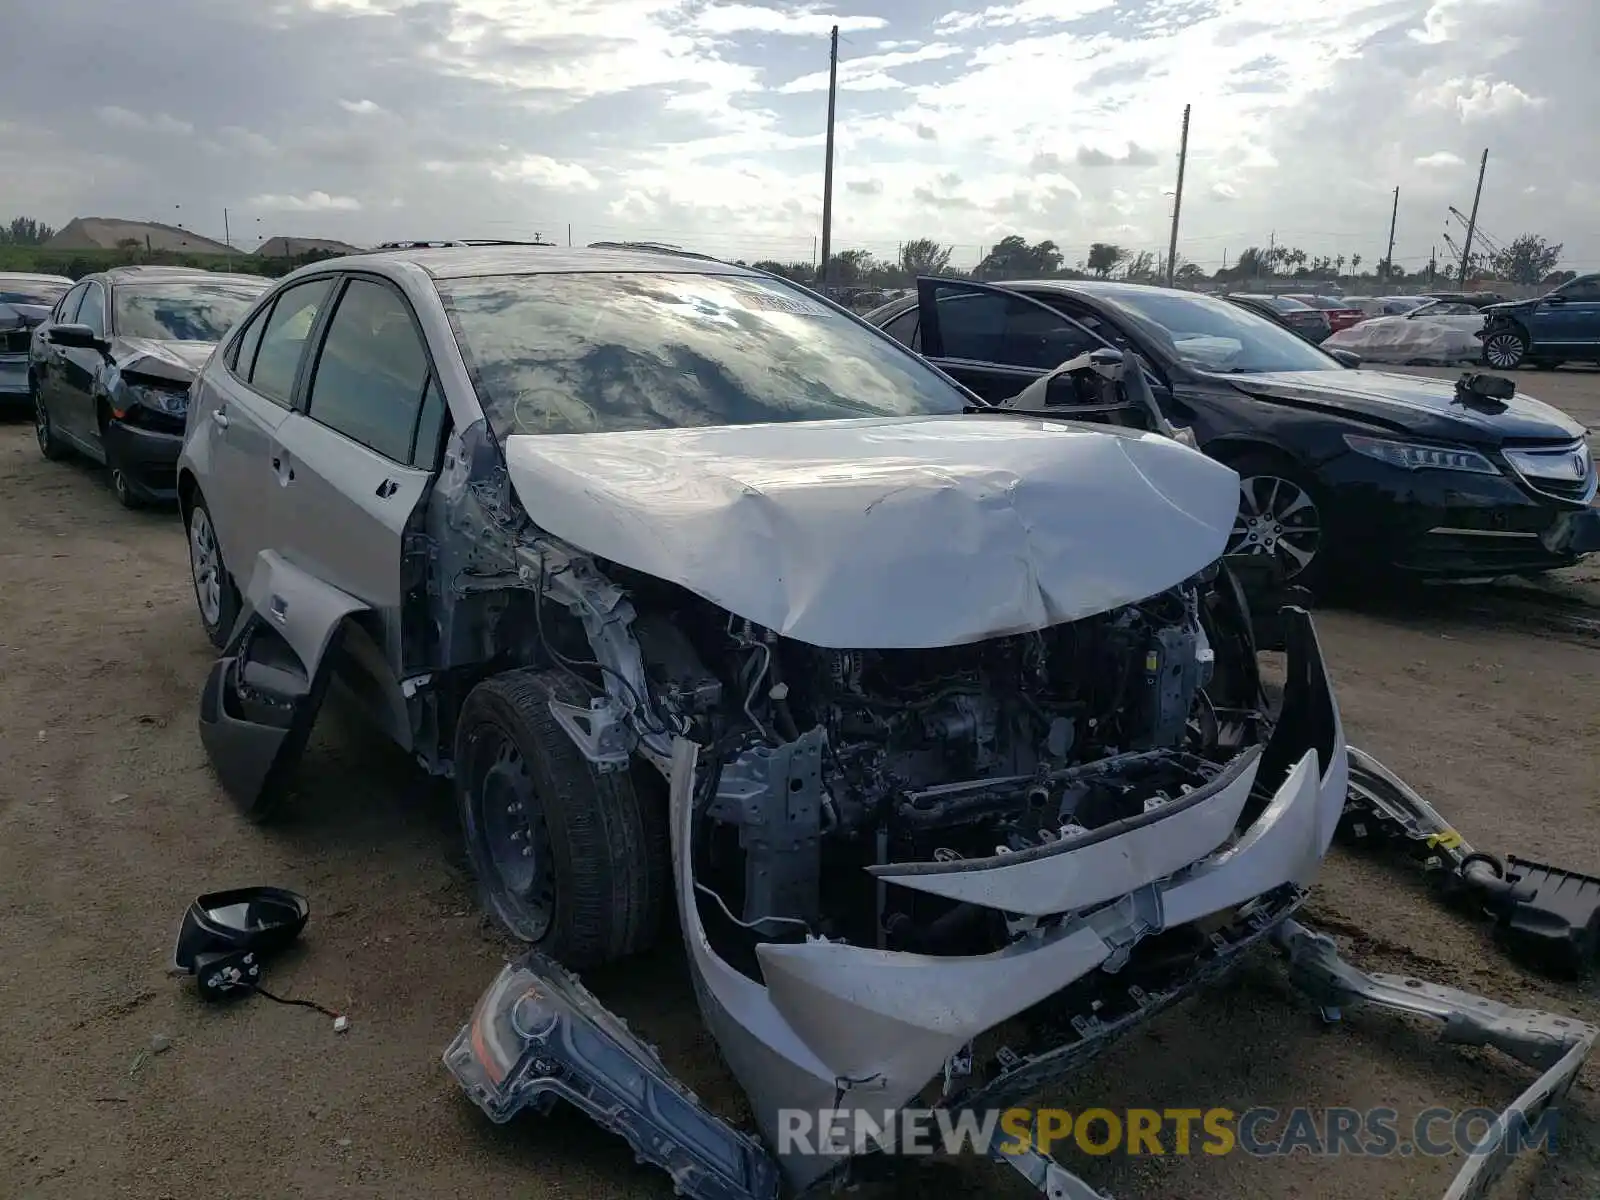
[(76, 337), (1348, 357), (226, 935)]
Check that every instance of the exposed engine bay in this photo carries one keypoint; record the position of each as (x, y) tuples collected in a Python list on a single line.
[(824, 763)]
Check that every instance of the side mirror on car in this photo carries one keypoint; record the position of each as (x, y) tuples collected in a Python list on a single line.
[(1348, 357), (76, 337)]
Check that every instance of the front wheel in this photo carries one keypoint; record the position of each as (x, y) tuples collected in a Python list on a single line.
[(1278, 517), (568, 858), (1505, 349)]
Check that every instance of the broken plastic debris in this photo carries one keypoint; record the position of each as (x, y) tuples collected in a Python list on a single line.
[(340, 1024)]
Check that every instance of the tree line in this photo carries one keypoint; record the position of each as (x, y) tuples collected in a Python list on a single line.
[(1527, 259)]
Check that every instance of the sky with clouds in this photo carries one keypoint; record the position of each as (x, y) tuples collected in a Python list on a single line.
[(701, 122)]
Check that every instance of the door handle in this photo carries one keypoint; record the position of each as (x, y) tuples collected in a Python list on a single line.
[(220, 417), (387, 488)]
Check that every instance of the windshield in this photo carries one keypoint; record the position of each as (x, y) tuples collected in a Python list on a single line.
[(198, 311), (42, 292), (1213, 335), (604, 352)]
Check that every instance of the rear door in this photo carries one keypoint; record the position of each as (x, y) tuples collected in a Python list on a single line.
[(244, 409), (360, 452), (992, 339), (1571, 324)]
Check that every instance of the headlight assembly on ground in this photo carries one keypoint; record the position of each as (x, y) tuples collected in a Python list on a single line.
[(1414, 457), (1259, 1132)]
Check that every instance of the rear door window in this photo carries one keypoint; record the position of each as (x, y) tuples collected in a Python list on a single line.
[(283, 339)]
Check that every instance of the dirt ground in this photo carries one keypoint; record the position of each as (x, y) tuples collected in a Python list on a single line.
[(110, 822)]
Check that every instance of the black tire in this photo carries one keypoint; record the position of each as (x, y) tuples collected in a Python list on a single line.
[(51, 446), (218, 623), (1305, 532), (599, 878), (1505, 348)]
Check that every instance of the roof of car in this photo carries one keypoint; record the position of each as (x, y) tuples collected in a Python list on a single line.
[(162, 274), (32, 277), (461, 262)]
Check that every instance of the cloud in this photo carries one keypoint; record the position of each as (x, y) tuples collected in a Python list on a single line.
[(872, 73), (547, 172), (1026, 12), (123, 118), (1134, 156), (701, 122), (751, 18), (1484, 99), (310, 202)]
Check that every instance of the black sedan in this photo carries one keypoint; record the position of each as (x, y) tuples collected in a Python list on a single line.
[(1339, 467), (109, 369), (25, 300)]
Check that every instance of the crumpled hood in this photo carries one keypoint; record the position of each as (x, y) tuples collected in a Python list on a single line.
[(1413, 404), (888, 533), (179, 362)]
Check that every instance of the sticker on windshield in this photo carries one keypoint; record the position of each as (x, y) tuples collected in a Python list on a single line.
[(795, 306)]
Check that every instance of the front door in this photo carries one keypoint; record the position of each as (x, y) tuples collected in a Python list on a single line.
[(992, 339), (79, 373), (359, 457)]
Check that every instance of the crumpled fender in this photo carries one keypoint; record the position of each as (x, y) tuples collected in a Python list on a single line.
[(253, 749)]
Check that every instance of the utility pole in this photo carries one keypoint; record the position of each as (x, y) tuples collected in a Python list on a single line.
[(1388, 259), (227, 238), (827, 170), (1472, 221), (1177, 199), (569, 235)]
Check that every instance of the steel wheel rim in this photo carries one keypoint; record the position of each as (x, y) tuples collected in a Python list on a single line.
[(512, 834), (1503, 350), (41, 420), (205, 564), (1277, 518)]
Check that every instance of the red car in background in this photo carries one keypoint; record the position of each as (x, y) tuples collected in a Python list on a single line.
[(1340, 314)]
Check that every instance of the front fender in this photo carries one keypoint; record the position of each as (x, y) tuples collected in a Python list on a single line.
[(300, 608)]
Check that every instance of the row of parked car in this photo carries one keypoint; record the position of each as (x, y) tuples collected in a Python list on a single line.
[(1545, 331), (1341, 468)]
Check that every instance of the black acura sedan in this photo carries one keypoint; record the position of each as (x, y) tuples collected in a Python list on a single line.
[(109, 369), (1340, 468)]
